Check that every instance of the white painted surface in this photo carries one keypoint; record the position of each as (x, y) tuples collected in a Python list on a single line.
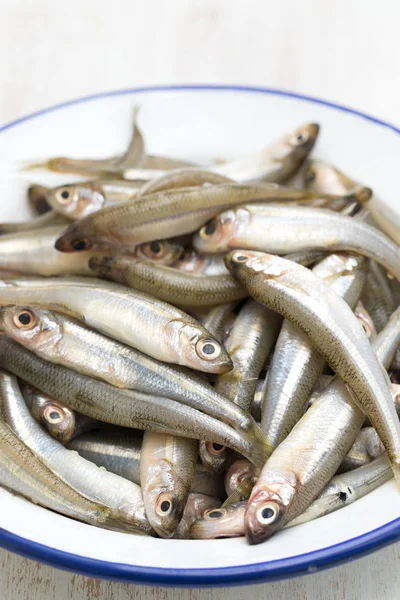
[(346, 52)]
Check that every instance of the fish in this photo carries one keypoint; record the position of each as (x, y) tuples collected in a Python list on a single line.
[(168, 284), (239, 472), (377, 297), (346, 488), (196, 264), (181, 177), (97, 485), (61, 340), (167, 214), (207, 483), (283, 229), (366, 321), (32, 252), (167, 465), (214, 456), (257, 399), (49, 219), (277, 162), (77, 200), (125, 408), (251, 339), (126, 316), (22, 472), (305, 462), (195, 507), (134, 156), (58, 420), (224, 522), (217, 320), (296, 364), (116, 449), (312, 306), (159, 252), (324, 178), (366, 447), (306, 257), (37, 198)]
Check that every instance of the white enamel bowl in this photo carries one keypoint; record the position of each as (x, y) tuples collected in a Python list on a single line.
[(199, 122)]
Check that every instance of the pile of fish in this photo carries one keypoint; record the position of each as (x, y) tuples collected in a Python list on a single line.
[(200, 351)]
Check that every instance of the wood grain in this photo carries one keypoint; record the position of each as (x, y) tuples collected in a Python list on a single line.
[(346, 51), (371, 578)]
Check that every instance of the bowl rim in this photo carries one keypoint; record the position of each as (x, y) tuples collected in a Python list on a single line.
[(301, 564)]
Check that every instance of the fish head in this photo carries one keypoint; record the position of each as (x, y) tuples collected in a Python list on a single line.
[(190, 262), (196, 506), (33, 327), (245, 264), (239, 472), (214, 456), (75, 201), (162, 252), (268, 506), (303, 138), (215, 235), (164, 504), (222, 522), (78, 237), (323, 178), (296, 145), (198, 349), (58, 420)]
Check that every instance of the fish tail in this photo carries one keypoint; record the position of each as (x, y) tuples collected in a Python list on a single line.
[(33, 166)]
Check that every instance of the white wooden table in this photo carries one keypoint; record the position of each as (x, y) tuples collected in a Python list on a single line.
[(346, 51)]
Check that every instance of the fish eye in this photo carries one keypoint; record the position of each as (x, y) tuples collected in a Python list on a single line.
[(209, 228), (268, 513), (208, 349), (156, 247), (300, 138), (24, 319), (241, 258), (152, 249), (215, 449), (310, 176), (63, 196), (165, 505), (215, 513), (53, 415), (80, 245)]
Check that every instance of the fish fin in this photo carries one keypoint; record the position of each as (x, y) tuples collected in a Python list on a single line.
[(260, 453), (135, 155), (241, 493), (260, 436)]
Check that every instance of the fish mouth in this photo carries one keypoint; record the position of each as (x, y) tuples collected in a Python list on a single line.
[(63, 244), (259, 526), (314, 129)]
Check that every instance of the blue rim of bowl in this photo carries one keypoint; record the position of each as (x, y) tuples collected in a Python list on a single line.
[(302, 564)]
